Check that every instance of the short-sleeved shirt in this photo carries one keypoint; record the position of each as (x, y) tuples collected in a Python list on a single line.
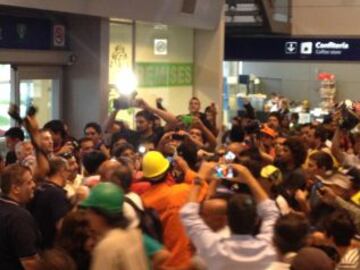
[(49, 205), (19, 236)]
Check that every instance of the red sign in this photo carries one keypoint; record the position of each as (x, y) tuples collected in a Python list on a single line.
[(59, 35)]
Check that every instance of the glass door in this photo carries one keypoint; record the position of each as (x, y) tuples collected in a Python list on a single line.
[(40, 87)]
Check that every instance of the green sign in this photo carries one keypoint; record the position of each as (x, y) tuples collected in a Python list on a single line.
[(164, 74)]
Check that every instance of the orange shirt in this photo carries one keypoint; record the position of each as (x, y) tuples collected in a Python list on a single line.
[(167, 200)]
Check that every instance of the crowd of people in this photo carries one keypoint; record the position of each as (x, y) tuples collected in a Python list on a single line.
[(179, 192)]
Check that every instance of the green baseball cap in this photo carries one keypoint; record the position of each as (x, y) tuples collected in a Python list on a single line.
[(105, 196)]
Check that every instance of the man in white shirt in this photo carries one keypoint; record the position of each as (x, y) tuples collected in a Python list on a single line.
[(242, 250)]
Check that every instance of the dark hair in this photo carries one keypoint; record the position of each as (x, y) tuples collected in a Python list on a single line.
[(252, 153), (122, 177), (294, 116), (340, 226), (56, 126), (254, 167), (119, 150), (148, 116), (55, 165), (93, 160), (275, 114), (12, 175), (15, 133), (322, 160), (72, 238), (122, 134), (290, 232), (187, 150), (93, 125), (242, 214), (298, 150), (321, 133), (236, 134), (117, 220)]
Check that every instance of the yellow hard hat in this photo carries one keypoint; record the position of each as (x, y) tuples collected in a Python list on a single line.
[(154, 164), (271, 173)]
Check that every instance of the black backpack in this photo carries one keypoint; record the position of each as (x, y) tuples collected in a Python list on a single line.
[(150, 222)]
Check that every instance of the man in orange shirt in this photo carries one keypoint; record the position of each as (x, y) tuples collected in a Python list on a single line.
[(167, 199)]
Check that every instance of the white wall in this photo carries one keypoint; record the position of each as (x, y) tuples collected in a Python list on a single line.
[(209, 55), (207, 13), (180, 50), (297, 80), (325, 17)]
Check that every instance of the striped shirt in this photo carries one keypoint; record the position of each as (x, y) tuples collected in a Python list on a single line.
[(350, 260)]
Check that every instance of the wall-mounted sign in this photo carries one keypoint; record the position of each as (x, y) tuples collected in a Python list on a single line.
[(31, 33), (161, 46), (164, 74), (279, 48), (59, 35)]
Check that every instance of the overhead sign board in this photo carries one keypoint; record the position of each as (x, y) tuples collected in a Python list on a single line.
[(279, 48)]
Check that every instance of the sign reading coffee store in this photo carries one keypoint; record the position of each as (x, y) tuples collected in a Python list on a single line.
[(275, 48)]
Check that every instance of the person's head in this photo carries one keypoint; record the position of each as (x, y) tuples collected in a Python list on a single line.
[(242, 215), (13, 136), (304, 132), (59, 169), (155, 166), (46, 141), (125, 150), (293, 152), (93, 131), (23, 150), (290, 233), (188, 151), (209, 113), (294, 118), (122, 177), (319, 163), (57, 130), (72, 165), (74, 235), (213, 212), (312, 258), (92, 161), (340, 228), (107, 168), (17, 183), (267, 136), (156, 122), (194, 105), (104, 208), (54, 259), (144, 122), (86, 146), (197, 135), (274, 121)]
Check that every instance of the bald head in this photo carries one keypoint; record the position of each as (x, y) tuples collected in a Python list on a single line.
[(213, 212), (107, 168)]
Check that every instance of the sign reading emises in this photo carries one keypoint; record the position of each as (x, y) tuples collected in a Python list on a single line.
[(274, 48), (164, 74)]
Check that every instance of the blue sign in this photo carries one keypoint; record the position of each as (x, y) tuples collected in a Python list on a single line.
[(25, 33), (280, 48)]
